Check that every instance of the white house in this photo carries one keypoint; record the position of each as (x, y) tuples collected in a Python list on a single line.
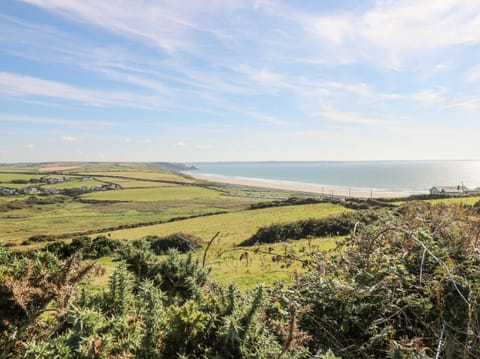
[(473, 191), (30, 190), (449, 190)]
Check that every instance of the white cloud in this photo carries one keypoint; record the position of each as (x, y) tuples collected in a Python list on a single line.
[(468, 105), (28, 146), (68, 139), (165, 24), (266, 118), (53, 121), (429, 96), (392, 32), (346, 117), (137, 140), (203, 147), (473, 74), (179, 144), (24, 86)]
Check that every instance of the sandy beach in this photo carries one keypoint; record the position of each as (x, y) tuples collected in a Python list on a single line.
[(296, 187)]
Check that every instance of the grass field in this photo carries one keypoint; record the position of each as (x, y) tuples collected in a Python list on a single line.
[(170, 193), (470, 201), (233, 227), (144, 175), (74, 184), (246, 268), (132, 183), (56, 219), (8, 177), (18, 186)]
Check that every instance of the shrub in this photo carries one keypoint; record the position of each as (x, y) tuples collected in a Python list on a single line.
[(41, 238), (90, 248), (330, 226), (394, 288), (181, 242)]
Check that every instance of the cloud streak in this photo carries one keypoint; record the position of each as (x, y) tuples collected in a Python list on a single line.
[(17, 85)]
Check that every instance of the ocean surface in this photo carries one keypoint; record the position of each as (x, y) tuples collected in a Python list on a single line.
[(388, 176)]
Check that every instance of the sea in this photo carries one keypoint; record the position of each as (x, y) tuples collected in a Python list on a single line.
[(412, 177)]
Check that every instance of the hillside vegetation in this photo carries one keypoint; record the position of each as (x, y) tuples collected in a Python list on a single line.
[(403, 285), (152, 264)]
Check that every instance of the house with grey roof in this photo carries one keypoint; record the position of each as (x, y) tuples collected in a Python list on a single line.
[(449, 190)]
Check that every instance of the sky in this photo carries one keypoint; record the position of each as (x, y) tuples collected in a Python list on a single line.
[(239, 80)]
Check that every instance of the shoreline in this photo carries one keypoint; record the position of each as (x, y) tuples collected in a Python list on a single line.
[(325, 190)]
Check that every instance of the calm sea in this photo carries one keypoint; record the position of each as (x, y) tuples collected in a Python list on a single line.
[(392, 176)]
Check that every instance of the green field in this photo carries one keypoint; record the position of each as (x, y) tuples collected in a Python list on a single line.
[(246, 271), (74, 184), (144, 175), (469, 201), (233, 227), (170, 193), (18, 186), (132, 183), (8, 177), (71, 217)]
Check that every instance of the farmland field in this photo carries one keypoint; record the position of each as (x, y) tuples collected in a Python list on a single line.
[(132, 183), (460, 200), (170, 193), (156, 176), (8, 177), (233, 227), (74, 184)]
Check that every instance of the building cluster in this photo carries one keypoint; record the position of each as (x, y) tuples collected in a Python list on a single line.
[(454, 190), (54, 180), (52, 190), (8, 191)]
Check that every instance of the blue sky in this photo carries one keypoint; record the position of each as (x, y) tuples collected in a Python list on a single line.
[(229, 80)]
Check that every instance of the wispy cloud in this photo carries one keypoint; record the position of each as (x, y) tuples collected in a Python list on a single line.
[(351, 118), (68, 139), (384, 33), (267, 118), (166, 24), (473, 74), (54, 121), (13, 84), (137, 140)]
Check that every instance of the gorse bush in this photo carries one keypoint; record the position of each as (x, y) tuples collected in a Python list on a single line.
[(31, 285), (181, 242), (401, 288), (101, 246), (89, 247), (138, 317)]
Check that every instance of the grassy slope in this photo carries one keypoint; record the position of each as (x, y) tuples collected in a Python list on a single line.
[(145, 175), (462, 200), (246, 272), (7, 177), (129, 183), (233, 227), (171, 193)]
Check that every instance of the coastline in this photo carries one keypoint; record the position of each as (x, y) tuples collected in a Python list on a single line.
[(325, 190)]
